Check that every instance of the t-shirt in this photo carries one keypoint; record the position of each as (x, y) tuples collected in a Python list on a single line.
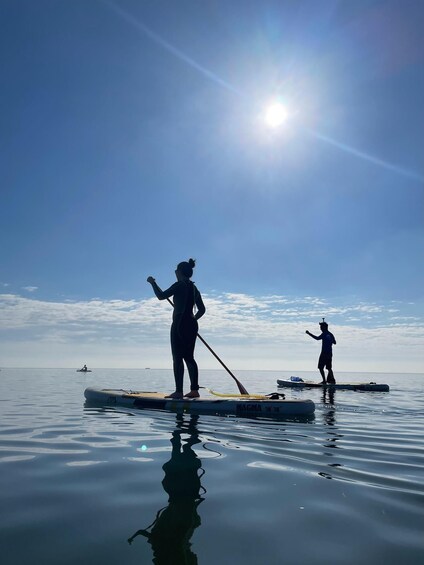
[(327, 342)]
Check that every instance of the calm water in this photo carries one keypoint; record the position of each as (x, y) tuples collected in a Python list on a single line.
[(104, 485)]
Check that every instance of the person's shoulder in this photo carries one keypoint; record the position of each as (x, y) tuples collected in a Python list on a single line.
[(175, 287)]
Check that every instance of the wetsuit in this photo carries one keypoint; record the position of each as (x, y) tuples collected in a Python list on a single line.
[(184, 329)]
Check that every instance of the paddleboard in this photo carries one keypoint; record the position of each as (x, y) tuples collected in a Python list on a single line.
[(84, 371), (340, 386), (268, 408)]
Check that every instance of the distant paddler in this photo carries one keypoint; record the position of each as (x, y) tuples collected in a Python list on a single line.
[(326, 356), (84, 370), (184, 326)]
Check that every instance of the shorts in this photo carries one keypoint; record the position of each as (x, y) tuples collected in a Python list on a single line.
[(325, 360)]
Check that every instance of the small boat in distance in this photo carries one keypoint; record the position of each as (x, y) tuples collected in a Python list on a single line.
[(84, 370)]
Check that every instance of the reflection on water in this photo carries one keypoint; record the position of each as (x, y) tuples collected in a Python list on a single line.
[(170, 532), (329, 418), (328, 395), (266, 503), (329, 415)]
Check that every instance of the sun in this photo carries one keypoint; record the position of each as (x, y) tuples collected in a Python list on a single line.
[(275, 115)]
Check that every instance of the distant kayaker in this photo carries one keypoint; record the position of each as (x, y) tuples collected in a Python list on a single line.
[(326, 357), (184, 326), (84, 368)]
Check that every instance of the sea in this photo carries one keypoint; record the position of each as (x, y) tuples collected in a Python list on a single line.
[(103, 485)]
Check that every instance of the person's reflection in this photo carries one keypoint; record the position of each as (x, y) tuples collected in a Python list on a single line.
[(170, 533), (329, 415), (328, 394)]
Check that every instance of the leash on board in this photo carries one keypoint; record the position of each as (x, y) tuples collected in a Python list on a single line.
[(270, 396)]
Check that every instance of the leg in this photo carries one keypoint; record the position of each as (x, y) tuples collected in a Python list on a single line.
[(321, 365), (330, 376), (178, 366), (193, 371), (177, 358)]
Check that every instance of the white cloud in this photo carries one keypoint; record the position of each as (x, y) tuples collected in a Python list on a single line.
[(30, 288), (251, 332)]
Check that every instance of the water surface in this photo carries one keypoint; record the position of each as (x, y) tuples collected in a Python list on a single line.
[(84, 484)]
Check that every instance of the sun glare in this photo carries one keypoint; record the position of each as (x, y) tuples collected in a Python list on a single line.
[(275, 115)]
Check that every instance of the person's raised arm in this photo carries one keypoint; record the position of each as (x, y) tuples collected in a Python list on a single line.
[(314, 336), (161, 294)]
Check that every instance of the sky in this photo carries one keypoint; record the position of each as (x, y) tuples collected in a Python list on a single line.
[(133, 136)]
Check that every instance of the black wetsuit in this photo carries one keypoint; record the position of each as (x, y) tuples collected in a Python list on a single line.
[(184, 329)]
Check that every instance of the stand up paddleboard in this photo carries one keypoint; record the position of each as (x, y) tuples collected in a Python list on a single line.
[(84, 371), (256, 405), (299, 383)]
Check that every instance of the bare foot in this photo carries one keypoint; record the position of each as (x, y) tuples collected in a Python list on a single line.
[(175, 395), (192, 394)]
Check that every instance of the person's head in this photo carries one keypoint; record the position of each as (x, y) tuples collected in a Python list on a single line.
[(184, 269), (323, 326)]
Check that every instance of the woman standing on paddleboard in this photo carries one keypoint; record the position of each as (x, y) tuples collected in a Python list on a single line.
[(184, 326)]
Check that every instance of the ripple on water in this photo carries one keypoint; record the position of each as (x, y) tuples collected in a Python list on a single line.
[(351, 478)]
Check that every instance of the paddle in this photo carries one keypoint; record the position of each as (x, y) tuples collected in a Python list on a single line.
[(241, 388)]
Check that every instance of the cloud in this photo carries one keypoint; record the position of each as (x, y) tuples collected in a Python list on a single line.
[(30, 288), (261, 332)]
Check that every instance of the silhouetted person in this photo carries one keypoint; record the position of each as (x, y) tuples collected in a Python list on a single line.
[(326, 357), (170, 533), (184, 326)]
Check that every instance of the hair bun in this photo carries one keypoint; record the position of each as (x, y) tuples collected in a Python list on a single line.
[(192, 262)]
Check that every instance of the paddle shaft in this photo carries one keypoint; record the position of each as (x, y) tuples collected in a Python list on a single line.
[(239, 385)]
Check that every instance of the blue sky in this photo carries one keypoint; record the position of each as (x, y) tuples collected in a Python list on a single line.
[(132, 137)]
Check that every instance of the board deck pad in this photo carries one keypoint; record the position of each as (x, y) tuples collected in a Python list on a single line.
[(270, 408)]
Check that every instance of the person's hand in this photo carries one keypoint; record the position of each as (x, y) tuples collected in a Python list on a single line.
[(307, 332), (150, 280)]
